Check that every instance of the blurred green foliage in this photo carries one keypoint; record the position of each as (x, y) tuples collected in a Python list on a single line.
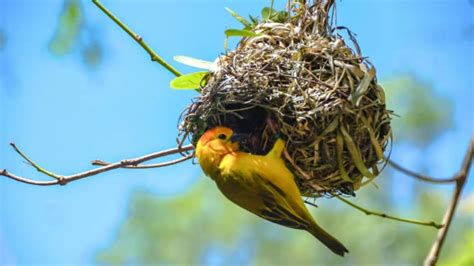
[(3, 40), (73, 32), (92, 53), (70, 23), (463, 255), (202, 227), (423, 114)]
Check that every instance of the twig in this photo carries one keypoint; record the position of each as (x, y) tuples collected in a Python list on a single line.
[(419, 176), (310, 203), (154, 56), (147, 166), (460, 178), (36, 166), (63, 180), (383, 215)]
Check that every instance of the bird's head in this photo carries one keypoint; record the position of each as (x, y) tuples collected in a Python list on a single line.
[(213, 145)]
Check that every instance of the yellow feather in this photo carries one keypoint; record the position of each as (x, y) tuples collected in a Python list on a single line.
[(262, 185)]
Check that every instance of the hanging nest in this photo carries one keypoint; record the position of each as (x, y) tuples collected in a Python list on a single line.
[(300, 81)]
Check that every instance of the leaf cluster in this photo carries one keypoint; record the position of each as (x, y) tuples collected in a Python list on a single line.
[(194, 81)]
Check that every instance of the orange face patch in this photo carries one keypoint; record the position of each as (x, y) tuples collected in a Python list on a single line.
[(215, 133)]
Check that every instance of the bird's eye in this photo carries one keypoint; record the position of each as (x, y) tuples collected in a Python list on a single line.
[(222, 136)]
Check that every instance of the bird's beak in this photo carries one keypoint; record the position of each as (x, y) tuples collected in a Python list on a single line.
[(238, 137)]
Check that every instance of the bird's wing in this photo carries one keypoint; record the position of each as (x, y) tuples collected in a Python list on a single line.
[(264, 187), (277, 207)]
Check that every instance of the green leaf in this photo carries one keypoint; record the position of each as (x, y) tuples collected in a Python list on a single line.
[(197, 63), (254, 20), (68, 29), (282, 17), (240, 33), (189, 81), (237, 33), (238, 17), (269, 13)]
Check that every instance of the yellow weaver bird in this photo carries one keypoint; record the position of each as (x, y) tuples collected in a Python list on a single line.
[(262, 185)]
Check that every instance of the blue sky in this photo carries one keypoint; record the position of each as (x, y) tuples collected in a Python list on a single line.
[(64, 115)]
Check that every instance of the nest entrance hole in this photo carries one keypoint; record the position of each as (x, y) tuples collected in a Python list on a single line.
[(250, 121)]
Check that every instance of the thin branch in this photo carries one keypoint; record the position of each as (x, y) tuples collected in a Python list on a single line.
[(4, 172), (311, 203), (148, 166), (63, 180), (383, 215), (154, 56), (35, 165), (420, 176), (461, 178)]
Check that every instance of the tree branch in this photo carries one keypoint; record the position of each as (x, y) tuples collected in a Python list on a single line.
[(147, 166), (383, 215), (154, 56), (311, 203), (420, 176), (63, 180), (460, 179)]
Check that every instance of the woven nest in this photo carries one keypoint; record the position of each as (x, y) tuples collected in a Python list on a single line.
[(300, 81)]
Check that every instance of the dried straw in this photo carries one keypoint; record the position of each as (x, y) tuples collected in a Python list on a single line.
[(300, 81)]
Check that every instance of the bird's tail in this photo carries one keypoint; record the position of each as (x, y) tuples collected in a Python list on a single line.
[(329, 241)]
